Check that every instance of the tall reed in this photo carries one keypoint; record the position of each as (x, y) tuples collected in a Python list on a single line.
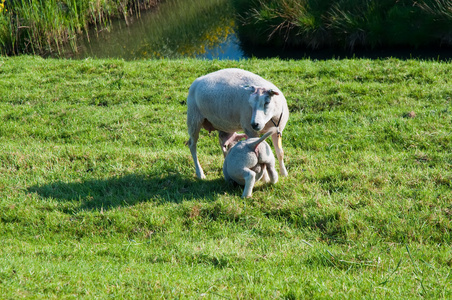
[(345, 23), (38, 26)]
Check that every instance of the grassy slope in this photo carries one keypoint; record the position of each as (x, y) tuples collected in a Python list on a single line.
[(98, 195)]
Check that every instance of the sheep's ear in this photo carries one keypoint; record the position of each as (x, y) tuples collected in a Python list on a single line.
[(272, 93), (249, 88)]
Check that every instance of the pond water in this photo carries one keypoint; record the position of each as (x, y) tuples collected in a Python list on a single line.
[(176, 28), (205, 29)]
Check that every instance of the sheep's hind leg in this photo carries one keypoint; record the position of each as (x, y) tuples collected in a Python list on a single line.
[(194, 126), (228, 140)]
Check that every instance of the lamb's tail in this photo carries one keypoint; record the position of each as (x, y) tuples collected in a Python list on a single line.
[(266, 135)]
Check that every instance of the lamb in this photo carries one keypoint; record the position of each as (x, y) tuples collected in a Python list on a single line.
[(248, 161), (231, 100)]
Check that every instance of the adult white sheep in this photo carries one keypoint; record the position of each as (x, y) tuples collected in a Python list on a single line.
[(231, 100)]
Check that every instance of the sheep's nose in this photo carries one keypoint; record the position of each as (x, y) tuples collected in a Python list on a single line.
[(255, 126)]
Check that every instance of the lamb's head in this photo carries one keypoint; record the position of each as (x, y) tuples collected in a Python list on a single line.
[(263, 107)]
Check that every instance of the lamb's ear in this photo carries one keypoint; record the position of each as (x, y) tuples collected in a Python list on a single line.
[(249, 88), (272, 92)]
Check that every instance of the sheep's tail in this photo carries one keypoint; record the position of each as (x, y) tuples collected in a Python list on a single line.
[(266, 135)]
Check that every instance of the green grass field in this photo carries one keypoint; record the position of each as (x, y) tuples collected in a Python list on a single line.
[(98, 195)]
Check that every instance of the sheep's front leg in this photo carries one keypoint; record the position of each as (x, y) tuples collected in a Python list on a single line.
[(277, 144)]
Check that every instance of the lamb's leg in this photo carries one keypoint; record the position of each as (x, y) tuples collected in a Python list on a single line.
[(272, 173), (250, 179), (261, 172), (277, 143), (265, 177)]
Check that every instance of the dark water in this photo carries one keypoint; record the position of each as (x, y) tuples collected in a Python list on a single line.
[(177, 28), (436, 53)]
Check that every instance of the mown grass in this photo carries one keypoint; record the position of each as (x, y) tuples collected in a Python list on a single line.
[(345, 24), (99, 196)]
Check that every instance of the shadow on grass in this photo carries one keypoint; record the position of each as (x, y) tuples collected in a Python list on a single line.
[(131, 189)]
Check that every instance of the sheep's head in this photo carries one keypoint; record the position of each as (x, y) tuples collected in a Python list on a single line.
[(262, 105)]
